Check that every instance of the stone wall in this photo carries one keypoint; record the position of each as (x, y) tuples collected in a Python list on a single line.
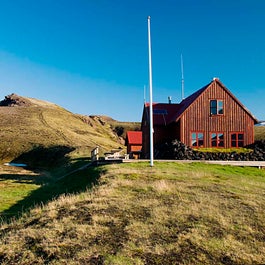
[(177, 150)]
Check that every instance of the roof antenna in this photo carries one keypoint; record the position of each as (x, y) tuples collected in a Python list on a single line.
[(182, 77), (144, 94)]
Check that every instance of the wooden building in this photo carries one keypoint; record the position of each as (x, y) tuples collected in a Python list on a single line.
[(210, 117), (134, 144)]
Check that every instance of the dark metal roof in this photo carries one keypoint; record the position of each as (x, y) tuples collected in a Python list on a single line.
[(163, 113)]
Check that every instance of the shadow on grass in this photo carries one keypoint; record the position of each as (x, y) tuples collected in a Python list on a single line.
[(41, 156), (23, 178), (51, 187), (71, 184)]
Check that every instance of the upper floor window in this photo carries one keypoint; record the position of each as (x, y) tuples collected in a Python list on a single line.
[(237, 139), (216, 107), (217, 139), (197, 139)]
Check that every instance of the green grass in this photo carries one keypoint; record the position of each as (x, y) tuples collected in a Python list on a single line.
[(224, 150), (12, 192), (172, 213), (22, 189), (16, 184)]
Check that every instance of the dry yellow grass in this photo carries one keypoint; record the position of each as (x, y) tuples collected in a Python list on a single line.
[(259, 133), (41, 123), (169, 214)]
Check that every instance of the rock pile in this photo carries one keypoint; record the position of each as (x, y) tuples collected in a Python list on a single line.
[(14, 100), (179, 151)]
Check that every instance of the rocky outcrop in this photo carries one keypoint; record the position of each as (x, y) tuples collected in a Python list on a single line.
[(14, 100), (179, 151)]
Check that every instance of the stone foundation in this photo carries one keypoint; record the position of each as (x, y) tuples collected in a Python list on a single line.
[(179, 151)]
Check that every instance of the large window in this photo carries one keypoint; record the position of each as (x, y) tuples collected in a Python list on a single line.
[(237, 139), (197, 139), (217, 139), (216, 107)]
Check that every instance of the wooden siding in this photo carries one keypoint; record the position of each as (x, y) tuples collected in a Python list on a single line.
[(198, 118), (162, 134), (145, 137)]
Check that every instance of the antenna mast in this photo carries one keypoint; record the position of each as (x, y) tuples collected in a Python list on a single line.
[(144, 94), (182, 77)]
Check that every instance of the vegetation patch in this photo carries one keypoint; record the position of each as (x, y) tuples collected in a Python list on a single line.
[(224, 150), (259, 133), (22, 189), (172, 213)]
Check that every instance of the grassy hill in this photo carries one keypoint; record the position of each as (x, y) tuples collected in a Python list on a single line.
[(259, 133), (172, 213), (52, 142), (30, 124)]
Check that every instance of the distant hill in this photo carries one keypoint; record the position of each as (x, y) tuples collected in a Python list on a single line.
[(27, 124), (259, 132)]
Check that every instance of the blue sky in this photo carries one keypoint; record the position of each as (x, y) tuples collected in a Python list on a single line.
[(91, 56)]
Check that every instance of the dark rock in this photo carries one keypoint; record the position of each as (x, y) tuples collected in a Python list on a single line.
[(15, 100), (179, 151)]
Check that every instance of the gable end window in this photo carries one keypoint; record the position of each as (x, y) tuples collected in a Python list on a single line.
[(217, 139), (237, 139), (216, 107), (197, 139)]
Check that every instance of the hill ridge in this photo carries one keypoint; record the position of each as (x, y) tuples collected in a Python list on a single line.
[(27, 123)]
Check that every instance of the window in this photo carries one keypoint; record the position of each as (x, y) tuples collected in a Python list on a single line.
[(237, 139), (160, 111), (217, 139), (216, 107), (197, 139)]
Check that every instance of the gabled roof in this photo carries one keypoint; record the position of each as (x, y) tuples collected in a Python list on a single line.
[(134, 137), (235, 99), (172, 112), (184, 104)]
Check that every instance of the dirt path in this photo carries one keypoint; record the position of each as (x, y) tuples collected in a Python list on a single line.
[(56, 131)]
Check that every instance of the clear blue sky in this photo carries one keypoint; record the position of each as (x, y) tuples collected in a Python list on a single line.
[(91, 56)]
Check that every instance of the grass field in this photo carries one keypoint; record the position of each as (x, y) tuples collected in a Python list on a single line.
[(15, 184), (170, 214), (21, 188)]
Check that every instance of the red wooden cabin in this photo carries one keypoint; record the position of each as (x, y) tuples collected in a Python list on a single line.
[(210, 117), (134, 144)]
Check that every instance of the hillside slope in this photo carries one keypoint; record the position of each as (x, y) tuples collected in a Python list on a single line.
[(259, 133), (29, 123)]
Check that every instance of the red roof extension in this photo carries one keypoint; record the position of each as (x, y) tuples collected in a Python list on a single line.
[(134, 137)]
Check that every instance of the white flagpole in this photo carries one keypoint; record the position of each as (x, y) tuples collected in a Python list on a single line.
[(151, 96)]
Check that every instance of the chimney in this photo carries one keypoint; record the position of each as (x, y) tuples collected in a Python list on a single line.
[(169, 100)]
